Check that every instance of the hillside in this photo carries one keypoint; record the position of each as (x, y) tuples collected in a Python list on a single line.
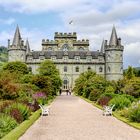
[(3, 55)]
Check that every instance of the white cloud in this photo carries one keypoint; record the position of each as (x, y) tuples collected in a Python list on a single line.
[(92, 19)]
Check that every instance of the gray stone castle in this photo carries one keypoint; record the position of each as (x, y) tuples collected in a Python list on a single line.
[(71, 56)]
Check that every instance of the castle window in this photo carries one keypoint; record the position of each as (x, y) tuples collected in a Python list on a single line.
[(49, 49), (30, 69), (77, 69), (65, 68), (81, 49), (89, 68), (109, 69), (100, 69), (65, 47)]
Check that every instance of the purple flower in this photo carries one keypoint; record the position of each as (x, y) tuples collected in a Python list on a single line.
[(39, 95)]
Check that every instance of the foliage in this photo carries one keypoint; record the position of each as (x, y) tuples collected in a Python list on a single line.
[(90, 85), (134, 112), (20, 130), (105, 98), (132, 87), (48, 69), (129, 73), (23, 109), (18, 67), (120, 102), (7, 123), (40, 97)]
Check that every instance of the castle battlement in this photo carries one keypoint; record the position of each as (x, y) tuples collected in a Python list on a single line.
[(49, 42), (59, 35), (83, 41)]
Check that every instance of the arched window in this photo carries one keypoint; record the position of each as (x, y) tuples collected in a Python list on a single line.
[(77, 69), (81, 48), (49, 49), (100, 69), (89, 68), (65, 68), (65, 47)]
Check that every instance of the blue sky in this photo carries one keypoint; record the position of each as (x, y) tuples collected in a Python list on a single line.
[(92, 20)]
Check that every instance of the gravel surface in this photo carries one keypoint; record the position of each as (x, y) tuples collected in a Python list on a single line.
[(72, 118)]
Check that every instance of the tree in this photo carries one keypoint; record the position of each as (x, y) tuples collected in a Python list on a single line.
[(48, 69), (17, 67), (130, 73)]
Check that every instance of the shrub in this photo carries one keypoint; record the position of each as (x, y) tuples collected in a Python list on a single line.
[(105, 98), (18, 67), (134, 112), (16, 114), (7, 123), (40, 97), (120, 102), (23, 109)]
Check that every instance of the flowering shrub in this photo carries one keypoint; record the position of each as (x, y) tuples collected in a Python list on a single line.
[(40, 97)]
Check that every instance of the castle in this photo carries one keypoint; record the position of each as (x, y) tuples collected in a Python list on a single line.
[(71, 56)]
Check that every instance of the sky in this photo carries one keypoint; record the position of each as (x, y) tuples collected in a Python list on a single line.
[(92, 19)]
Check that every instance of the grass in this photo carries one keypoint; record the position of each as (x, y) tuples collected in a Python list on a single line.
[(115, 114), (21, 129)]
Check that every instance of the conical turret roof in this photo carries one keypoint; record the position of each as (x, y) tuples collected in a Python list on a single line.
[(113, 38), (17, 37), (27, 46), (103, 46)]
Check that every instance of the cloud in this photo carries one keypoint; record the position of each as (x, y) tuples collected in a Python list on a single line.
[(91, 19), (33, 6)]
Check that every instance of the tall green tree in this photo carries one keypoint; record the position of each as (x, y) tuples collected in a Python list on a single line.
[(48, 68), (130, 73)]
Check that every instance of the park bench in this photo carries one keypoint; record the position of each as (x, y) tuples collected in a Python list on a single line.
[(107, 110), (45, 110)]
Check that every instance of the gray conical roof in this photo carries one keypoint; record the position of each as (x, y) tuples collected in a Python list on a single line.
[(17, 37), (27, 46), (113, 38), (103, 46)]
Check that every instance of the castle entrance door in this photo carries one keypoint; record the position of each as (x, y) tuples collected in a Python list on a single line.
[(65, 84)]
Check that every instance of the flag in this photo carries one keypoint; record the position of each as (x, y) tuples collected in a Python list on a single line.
[(71, 22)]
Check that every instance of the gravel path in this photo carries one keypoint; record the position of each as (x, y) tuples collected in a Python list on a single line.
[(72, 118)]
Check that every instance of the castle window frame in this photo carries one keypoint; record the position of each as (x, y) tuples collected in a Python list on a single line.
[(65, 68), (77, 69), (81, 49)]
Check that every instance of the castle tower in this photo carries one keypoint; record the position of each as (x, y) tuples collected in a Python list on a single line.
[(114, 57), (17, 51)]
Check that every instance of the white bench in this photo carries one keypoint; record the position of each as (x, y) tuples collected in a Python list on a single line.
[(107, 110), (45, 110)]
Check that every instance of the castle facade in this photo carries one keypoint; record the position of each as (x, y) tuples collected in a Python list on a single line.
[(71, 56)]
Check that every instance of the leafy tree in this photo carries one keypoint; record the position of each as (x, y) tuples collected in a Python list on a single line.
[(130, 73), (17, 67), (48, 69)]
